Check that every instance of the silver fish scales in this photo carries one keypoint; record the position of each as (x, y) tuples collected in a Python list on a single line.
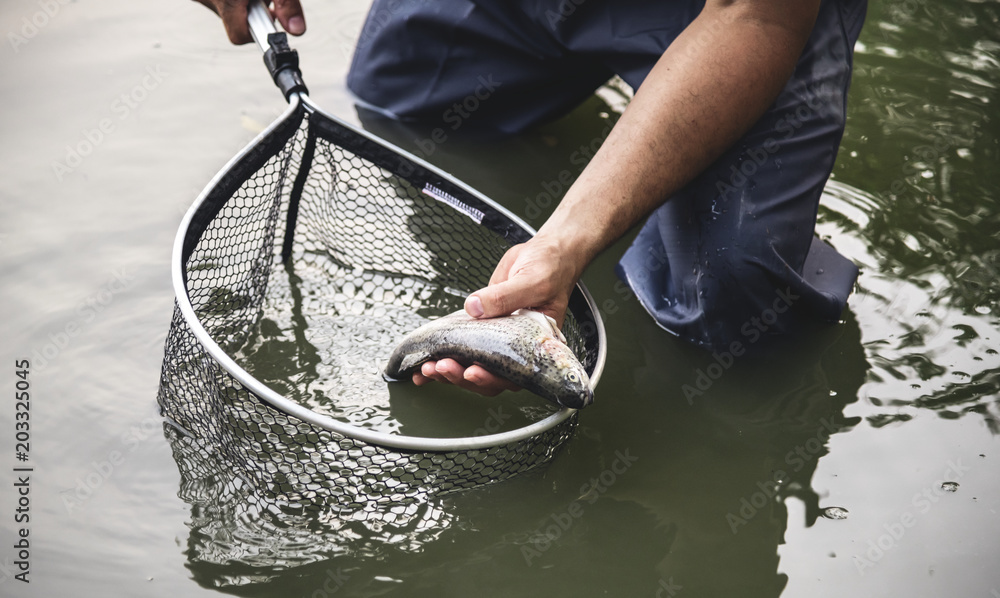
[(526, 348)]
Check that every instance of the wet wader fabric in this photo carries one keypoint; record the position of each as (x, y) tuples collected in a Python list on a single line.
[(732, 257)]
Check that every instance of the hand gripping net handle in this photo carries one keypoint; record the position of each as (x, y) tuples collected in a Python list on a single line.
[(378, 219), (281, 61)]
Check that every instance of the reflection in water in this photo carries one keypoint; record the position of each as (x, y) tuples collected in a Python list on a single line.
[(724, 468), (235, 526), (704, 505), (923, 142), (270, 491), (683, 508), (373, 251), (706, 492), (374, 256), (931, 343)]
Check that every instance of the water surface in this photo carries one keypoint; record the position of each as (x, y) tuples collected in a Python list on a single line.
[(859, 461)]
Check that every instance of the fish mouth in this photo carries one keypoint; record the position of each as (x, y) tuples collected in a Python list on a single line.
[(577, 398), (388, 378)]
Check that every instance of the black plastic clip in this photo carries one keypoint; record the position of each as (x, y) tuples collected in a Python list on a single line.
[(283, 64)]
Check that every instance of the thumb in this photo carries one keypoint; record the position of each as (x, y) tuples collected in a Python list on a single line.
[(289, 14), (500, 299)]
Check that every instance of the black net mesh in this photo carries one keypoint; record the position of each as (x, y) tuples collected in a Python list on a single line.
[(378, 245), (233, 523)]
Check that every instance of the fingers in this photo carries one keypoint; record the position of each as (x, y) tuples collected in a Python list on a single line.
[(536, 274), (289, 14), (505, 297), (234, 17), (473, 303), (474, 306), (507, 261), (474, 378)]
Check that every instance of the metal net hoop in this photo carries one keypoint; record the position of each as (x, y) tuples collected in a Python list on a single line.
[(395, 235)]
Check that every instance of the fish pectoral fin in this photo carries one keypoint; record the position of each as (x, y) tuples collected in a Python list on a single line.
[(413, 360)]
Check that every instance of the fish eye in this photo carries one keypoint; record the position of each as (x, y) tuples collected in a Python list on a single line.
[(572, 376)]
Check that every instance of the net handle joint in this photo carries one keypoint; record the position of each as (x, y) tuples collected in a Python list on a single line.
[(283, 64), (279, 58)]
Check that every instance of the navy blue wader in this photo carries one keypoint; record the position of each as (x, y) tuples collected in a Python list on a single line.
[(732, 257)]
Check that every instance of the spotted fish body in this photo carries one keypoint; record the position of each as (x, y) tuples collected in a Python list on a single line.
[(526, 348)]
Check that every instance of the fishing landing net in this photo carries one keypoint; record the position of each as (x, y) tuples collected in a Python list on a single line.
[(296, 271)]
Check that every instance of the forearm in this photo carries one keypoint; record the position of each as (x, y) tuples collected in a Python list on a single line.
[(710, 86)]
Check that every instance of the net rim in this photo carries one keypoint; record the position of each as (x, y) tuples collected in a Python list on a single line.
[(297, 102)]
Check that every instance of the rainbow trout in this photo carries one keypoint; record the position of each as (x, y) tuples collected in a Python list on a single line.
[(525, 347)]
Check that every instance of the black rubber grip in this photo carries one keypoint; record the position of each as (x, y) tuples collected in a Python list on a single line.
[(283, 64)]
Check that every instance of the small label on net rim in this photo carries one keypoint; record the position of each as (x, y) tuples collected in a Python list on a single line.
[(454, 202)]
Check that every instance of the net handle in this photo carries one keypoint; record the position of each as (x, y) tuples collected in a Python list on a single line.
[(261, 24), (281, 61)]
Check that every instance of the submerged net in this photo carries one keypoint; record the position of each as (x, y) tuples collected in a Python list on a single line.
[(304, 262)]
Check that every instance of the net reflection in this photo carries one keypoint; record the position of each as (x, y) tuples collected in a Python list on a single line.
[(234, 524)]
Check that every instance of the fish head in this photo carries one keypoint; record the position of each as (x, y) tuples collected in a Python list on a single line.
[(568, 375)]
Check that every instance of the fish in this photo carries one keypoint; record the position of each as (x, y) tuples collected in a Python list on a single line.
[(526, 348)]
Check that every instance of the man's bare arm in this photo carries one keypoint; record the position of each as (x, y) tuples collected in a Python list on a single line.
[(705, 92)]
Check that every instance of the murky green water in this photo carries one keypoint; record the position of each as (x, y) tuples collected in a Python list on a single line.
[(325, 336), (860, 461)]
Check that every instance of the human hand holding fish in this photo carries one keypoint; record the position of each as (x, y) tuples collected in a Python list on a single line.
[(539, 274), (525, 348)]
